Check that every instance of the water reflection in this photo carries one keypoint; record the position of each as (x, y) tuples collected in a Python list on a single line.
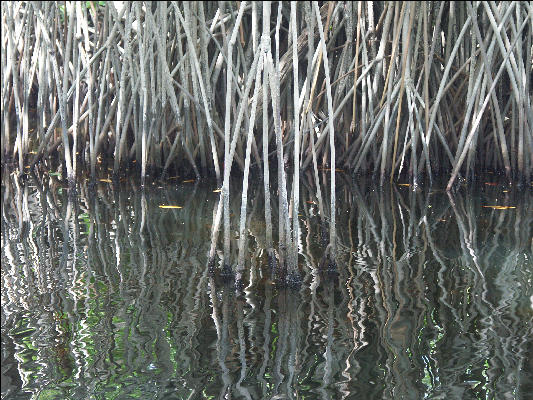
[(106, 295)]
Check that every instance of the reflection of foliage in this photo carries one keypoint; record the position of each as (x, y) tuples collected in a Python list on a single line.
[(426, 299)]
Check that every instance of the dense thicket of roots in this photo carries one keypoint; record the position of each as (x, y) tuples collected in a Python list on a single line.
[(390, 88)]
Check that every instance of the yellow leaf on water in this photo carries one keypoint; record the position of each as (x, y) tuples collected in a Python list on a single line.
[(505, 191), (105, 180), (404, 184), (500, 207), (217, 190), (174, 177), (188, 181), (162, 206)]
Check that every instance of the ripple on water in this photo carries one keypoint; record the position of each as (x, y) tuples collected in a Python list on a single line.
[(110, 297)]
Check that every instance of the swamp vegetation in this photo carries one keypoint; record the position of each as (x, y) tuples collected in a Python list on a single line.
[(391, 89), (266, 199)]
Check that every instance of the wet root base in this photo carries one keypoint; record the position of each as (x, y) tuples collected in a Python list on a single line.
[(294, 280), (272, 261), (283, 278), (328, 264), (227, 274)]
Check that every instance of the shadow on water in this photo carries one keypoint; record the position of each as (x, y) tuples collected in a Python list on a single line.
[(107, 295)]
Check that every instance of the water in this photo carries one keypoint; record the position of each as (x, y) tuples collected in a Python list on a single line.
[(107, 296)]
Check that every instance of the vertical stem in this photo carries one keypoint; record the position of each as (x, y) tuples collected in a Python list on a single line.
[(293, 264), (352, 126), (265, 47), (244, 200), (402, 87), (332, 231), (227, 166)]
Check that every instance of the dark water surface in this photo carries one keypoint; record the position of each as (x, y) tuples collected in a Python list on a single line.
[(107, 296)]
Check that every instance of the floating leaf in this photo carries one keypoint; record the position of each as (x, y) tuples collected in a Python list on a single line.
[(105, 180), (174, 177), (55, 174), (505, 191), (217, 190), (404, 184), (162, 206), (188, 181), (491, 184), (329, 169), (500, 207)]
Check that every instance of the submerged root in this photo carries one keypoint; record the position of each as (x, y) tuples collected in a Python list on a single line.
[(272, 261), (115, 177), (332, 265), (281, 274), (239, 285), (294, 280), (328, 263), (211, 265), (227, 273), (324, 235), (72, 190)]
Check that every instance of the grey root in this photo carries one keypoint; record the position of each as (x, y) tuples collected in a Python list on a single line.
[(392, 89)]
